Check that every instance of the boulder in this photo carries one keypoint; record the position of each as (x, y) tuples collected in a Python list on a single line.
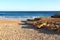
[(56, 16)]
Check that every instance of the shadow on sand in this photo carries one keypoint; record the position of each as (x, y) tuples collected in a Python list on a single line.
[(42, 30)]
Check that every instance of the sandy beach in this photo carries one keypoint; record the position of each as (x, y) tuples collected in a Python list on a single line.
[(10, 21), (11, 30)]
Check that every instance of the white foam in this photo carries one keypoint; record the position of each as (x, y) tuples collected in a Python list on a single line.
[(15, 17)]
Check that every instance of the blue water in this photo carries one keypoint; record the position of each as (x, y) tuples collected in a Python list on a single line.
[(25, 14), (28, 13)]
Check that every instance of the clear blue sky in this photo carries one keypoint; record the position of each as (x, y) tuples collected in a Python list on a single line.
[(29, 5)]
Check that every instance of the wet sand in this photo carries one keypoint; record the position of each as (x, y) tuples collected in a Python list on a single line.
[(11, 30)]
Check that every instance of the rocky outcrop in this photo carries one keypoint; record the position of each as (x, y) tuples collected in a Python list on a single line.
[(56, 16)]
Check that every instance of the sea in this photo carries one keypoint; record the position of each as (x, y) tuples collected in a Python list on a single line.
[(23, 15)]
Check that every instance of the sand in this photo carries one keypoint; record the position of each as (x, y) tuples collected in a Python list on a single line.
[(11, 30)]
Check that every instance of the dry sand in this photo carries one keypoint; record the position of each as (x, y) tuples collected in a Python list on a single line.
[(10, 30)]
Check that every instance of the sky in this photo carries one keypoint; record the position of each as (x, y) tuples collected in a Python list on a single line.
[(29, 5)]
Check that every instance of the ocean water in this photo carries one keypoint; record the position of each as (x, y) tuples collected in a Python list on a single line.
[(23, 15)]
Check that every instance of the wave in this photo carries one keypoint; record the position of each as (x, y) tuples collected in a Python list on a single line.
[(17, 17)]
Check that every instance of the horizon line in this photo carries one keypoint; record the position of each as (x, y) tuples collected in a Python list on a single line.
[(33, 11)]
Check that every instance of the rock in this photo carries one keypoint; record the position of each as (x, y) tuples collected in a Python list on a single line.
[(36, 19), (56, 16), (30, 19)]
